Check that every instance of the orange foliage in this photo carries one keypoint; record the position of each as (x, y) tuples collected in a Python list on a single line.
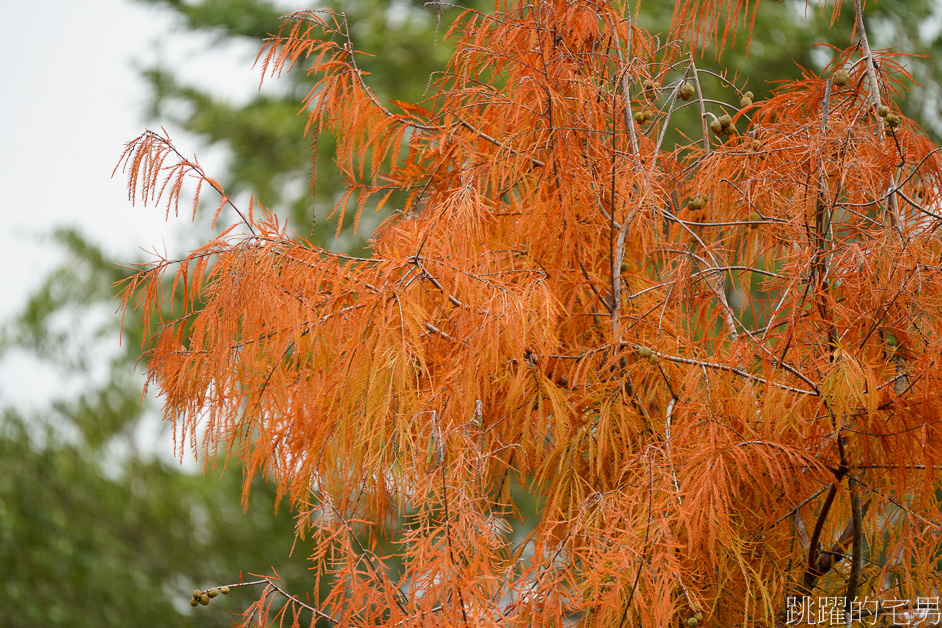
[(717, 364)]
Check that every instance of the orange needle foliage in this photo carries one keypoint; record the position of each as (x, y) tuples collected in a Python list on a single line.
[(717, 363)]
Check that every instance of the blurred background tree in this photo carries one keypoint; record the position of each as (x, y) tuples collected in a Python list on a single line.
[(268, 157), (97, 530)]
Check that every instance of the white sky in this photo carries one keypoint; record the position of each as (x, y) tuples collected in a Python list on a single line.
[(70, 99)]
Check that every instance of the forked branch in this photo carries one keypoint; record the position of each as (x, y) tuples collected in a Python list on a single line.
[(144, 161)]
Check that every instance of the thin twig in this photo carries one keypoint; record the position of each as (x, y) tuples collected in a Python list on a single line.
[(273, 586), (723, 367), (667, 444), (857, 543), (447, 515), (647, 531), (496, 142)]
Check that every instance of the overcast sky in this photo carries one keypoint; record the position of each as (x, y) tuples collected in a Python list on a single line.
[(71, 97)]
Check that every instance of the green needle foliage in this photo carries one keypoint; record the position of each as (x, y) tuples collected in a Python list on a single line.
[(80, 548)]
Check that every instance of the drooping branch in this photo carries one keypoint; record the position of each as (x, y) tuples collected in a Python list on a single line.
[(144, 160), (812, 571), (871, 68)]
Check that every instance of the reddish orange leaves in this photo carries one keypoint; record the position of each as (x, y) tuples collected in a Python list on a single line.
[(708, 361)]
